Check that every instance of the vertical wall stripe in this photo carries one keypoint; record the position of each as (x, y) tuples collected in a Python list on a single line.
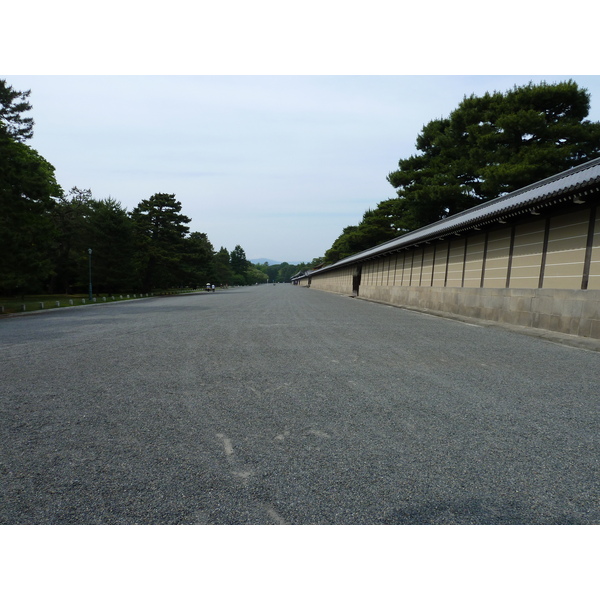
[(403, 267), (513, 229), (462, 283), (447, 263), (544, 252), (388, 270), (485, 250), (435, 245), (588, 250)]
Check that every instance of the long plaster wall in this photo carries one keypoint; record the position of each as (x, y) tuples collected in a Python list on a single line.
[(542, 272)]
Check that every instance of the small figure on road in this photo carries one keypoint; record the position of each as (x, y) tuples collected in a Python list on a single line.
[(213, 287), (208, 287)]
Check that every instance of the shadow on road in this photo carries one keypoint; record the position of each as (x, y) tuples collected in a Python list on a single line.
[(476, 511)]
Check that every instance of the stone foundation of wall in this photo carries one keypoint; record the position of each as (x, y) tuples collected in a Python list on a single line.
[(574, 312)]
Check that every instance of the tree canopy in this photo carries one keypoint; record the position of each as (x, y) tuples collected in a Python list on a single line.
[(160, 230), (28, 190), (12, 106), (488, 146)]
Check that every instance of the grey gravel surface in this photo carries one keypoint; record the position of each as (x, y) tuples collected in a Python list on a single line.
[(284, 405)]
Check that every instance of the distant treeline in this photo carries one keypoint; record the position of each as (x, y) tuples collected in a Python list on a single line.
[(283, 272), (56, 247)]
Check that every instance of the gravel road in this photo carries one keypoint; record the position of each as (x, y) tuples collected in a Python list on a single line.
[(284, 405)]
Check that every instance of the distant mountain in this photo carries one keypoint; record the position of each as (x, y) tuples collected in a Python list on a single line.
[(262, 261)]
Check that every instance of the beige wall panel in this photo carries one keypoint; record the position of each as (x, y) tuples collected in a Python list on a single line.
[(455, 262), (405, 268), (495, 277), (568, 263), (439, 271), (416, 268), (410, 267), (562, 282), (529, 239), (394, 265), (407, 273), (427, 270), (391, 269), (343, 279), (474, 261), (567, 235), (527, 255), (386, 270), (400, 268), (521, 279), (396, 275), (567, 241), (383, 271), (496, 264), (571, 243), (366, 274), (336, 281), (569, 225)]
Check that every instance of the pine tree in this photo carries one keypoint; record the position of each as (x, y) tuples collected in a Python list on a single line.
[(28, 191), (160, 232)]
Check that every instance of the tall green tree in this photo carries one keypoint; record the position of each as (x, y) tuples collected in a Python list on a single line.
[(254, 275), (199, 260), (223, 272), (492, 145), (28, 191), (239, 265), (285, 272), (160, 231), (71, 241), (13, 105), (110, 235), (376, 227)]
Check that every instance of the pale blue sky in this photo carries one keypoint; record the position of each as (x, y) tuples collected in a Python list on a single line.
[(277, 164)]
